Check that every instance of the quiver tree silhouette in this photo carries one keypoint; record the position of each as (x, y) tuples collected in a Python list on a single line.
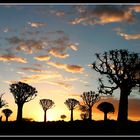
[(0, 118), (106, 107), (121, 68), (89, 99), (84, 112), (63, 117), (46, 104), (3, 103), (22, 93), (71, 104), (7, 112), (84, 115)]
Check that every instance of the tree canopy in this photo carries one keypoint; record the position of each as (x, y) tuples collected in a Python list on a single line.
[(106, 107), (71, 103), (89, 99), (122, 70), (22, 93), (46, 104), (2, 102)]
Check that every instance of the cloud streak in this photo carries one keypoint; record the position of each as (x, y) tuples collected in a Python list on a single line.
[(126, 36), (46, 77), (37, 78), (10, 57), (36, 24), (73, 47), (62, 84), (59, 13), (67, 67), (29, 69), (42, 58), (129, 36), (57, 53)]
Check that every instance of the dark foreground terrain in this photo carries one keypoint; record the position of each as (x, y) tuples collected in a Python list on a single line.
[(78, 127)]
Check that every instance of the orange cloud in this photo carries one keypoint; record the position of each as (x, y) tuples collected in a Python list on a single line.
[(103, 15), (74, 68), (126, 36), (67, 67), (55, 43), (42, 58), (10, 57), (73, 47), (57, 53), (57, 65), (62, 84), (37, 78), (32, 69), (79, 20), (60, 47), (36, 24), (29, 46), (129, 36)]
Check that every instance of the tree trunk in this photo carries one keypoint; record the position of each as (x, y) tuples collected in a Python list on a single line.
[(19, 112), (105, 116), (71, 114), (123, 106), (6, 118), (45, 115), (90, 113), (0, 118)]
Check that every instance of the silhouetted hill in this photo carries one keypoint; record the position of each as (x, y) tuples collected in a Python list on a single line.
[(78, 127)]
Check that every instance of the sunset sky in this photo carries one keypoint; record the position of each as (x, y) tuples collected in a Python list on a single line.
[(51, 47)]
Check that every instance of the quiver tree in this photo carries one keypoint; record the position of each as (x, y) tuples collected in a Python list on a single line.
[(46, 104), (121, 68), (84, 116), (89, 99), (7, 112), (63, 117), (22, 93), (106, 108), (2, 102), (71, 104), (84, 112)]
